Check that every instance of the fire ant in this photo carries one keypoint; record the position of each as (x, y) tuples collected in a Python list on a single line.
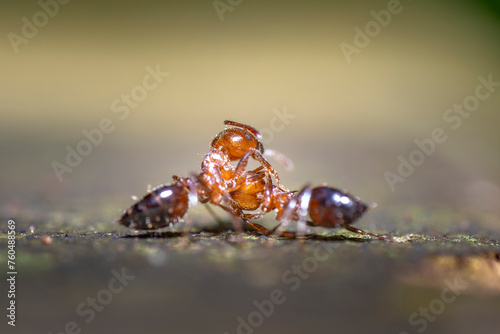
[(326, 207), (218, 178), (240, 191)]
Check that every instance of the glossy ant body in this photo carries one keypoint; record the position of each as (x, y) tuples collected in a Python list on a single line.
[(218, 179), (241, 192)]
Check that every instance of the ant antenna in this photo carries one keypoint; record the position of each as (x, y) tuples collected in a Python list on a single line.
[(246, 127)]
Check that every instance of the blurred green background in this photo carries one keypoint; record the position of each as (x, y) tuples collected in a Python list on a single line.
[(352, 116)]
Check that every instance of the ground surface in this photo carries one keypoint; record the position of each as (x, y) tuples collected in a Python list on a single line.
[(218, 282)]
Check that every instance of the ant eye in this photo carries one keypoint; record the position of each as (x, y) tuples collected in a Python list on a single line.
[(247, 136)]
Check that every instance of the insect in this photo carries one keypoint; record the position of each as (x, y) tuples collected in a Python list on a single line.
[(218, 179), (245, 194), (323, 205)]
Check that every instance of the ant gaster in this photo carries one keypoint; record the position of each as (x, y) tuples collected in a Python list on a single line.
[(241, 192), (167, 204)]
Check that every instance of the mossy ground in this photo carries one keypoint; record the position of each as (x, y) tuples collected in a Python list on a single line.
[(332, 278)]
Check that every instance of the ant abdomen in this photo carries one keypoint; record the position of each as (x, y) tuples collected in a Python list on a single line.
[(164, 205), (330, 207)]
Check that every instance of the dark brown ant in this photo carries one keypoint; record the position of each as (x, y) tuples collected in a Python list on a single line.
[(325, 206), (241, 192)]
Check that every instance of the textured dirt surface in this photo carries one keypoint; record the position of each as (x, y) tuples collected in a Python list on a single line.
[(218, 282)]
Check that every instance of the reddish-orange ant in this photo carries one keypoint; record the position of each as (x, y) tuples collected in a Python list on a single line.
[(218, 178), (240, 192)]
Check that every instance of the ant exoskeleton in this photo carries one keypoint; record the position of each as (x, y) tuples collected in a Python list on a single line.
[(240, 192), (325, 206), (167, 204)]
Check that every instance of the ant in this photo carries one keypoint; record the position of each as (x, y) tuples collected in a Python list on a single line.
[(326, 206), (238, 191), (167, 204)]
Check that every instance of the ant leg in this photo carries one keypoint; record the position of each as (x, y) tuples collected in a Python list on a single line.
[(193, 201), (303, 210), (280, 158), (268, 199), (240, 168), (270, 169), (248, 179), (258, 169), (251, 216), (285, 217), (298, 204), (242, 164), (264, 230), (258, 227), (358, 231), (289, 235), (238, 227), (193, 190)]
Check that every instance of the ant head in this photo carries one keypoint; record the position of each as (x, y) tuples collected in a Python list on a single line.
[(237, 140)]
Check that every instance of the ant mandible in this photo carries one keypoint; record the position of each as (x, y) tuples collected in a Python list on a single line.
[(238, 191)]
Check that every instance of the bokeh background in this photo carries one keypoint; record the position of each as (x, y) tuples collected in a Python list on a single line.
[(352, 119)]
